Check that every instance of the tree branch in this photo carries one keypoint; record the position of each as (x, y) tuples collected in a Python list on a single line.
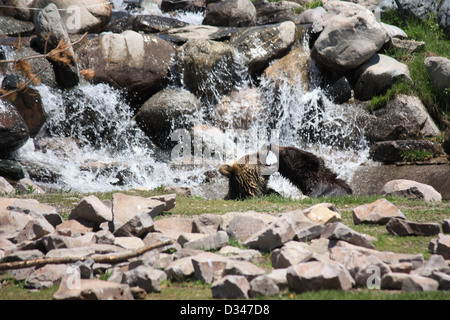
[(98, 259)]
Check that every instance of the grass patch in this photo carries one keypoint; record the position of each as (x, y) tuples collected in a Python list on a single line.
[(436, 44)]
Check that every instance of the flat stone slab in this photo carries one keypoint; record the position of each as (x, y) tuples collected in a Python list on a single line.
[(380, 212), (92, 289), (369, 180), (401, 227)]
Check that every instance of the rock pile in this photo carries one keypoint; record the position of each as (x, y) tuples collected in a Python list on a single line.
[(127, 240)]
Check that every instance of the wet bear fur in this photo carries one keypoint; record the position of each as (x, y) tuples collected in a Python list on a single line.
[(303, 169)]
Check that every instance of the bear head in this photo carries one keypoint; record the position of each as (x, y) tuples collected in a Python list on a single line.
[(247, 177)]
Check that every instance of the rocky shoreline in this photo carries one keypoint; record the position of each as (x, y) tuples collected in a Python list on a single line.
[(138, 249)]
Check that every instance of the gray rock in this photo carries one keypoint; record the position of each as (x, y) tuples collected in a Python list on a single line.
[(92, 209), (210, 242), (35, 209), (209, 267), (243, 268), (393, 280), (410, 46), (311, 276), (380, 212), (89, 17), (387, 257), (231, 13), (14, 133), (129, 243), (276, 12), (412, 190), (443, 279), (290, 254), (146, 278), (376, 74), (93, 289), (167, 109), (49, 23), (173, 227), (71, 228), (418, 8), (206, 223), (273, 236), (231, 287), (11, 27), (360, 265), (339, 231), (243, 227), (180, 269), (394, 31), (444, 16), (260, 45), (24, 255), (436, 263), (401, 227), (197, 32), (5, 186), (263, 286), (236, 253), (35, 229), (169, 199), (75, 253), (446, 226), (349, 36), (443, 246), (403, 118), (133, 215), (390, 152), (49, 275), (311, 15), (415, 283), (119, 60), (438, 69), (279, 277)]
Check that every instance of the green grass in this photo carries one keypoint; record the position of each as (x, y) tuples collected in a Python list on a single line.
[(436, 44)]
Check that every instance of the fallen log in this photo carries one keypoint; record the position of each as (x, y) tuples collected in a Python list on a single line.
[(115, 258)]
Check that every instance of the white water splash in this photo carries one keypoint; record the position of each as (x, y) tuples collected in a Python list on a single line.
[(95, 145)]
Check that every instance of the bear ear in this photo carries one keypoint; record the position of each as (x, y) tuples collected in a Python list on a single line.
[(226, 170)]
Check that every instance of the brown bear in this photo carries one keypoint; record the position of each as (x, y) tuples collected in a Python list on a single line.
[(249, 175)]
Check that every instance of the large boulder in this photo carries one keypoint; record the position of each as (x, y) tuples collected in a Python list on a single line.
[(438, 69), (276, 12), (231, 13), (80, 16), (29, 104), (11, 27), (13, 130), (207, 68), (418, 8), (375, 76), (369, 180), (412, 190), (349, 36), (444, 16), (50, 29), (258, 46), (390, 152), (167, 110), (138, 64), (19, 9), (404, 117)]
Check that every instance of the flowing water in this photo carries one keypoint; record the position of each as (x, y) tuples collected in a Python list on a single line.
[(91, 142)]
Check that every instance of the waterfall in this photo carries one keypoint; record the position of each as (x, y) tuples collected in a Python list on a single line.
[(91, 142)]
